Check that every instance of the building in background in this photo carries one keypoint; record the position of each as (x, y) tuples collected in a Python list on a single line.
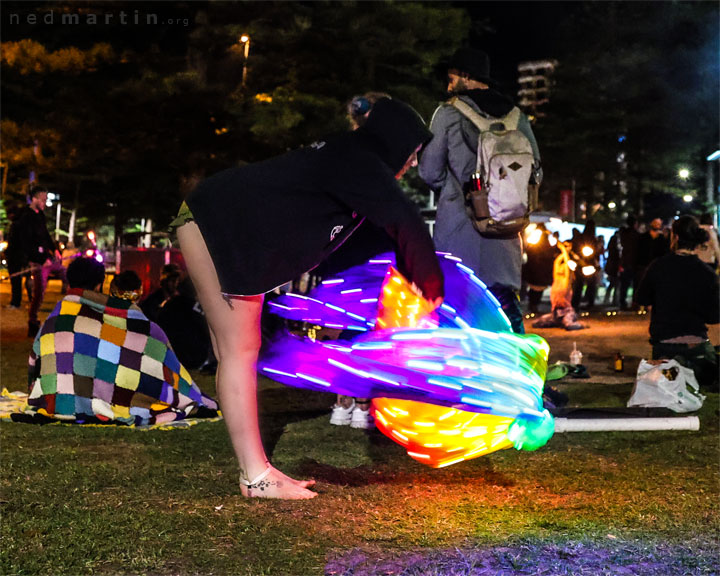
[(535, 80)]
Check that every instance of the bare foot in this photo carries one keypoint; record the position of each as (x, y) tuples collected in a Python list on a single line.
[(274, 484), (303, 483)]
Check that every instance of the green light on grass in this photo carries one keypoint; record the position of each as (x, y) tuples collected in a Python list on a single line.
[(531, 434)]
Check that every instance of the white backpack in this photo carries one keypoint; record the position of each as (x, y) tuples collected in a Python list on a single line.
[(504, 169)]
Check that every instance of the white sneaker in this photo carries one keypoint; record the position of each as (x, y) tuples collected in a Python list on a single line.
[(362, 419), (341, 416)]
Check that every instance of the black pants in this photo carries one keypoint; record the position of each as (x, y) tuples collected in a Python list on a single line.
[(627, 279), (16, 283), (589, 284), (534, 297), (702, 359), (510, 303)]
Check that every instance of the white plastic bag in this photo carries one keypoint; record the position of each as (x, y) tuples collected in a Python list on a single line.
[(666, 385)]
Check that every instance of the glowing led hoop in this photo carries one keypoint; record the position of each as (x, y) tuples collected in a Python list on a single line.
[(446, 388)]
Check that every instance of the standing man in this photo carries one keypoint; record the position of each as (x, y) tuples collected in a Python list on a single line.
[(16, 264), (629, 238), (652, 244), (447, 164), (612, 269), (35, 243)]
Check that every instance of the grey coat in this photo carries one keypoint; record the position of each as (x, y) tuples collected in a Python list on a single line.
[(447, 161)]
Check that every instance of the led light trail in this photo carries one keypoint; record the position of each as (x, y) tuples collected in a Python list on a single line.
[(448, 385)]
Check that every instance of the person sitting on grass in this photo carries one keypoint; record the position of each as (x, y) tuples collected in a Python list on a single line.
[(127, 286), (98, 359), (683, 294)]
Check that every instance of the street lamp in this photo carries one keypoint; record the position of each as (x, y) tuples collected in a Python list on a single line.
[(684, 174), (245, 39)]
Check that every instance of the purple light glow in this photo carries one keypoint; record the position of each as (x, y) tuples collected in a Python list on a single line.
[(463, 356)]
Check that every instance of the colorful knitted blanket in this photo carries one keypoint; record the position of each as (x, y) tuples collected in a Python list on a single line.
[(99, 359)]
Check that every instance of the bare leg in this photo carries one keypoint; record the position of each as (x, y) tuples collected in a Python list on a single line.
[(235, 327)]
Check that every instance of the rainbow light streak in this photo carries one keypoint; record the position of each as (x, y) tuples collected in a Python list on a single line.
[(467, 303), (448, 385)]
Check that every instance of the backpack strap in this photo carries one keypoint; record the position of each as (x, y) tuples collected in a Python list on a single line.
[(481, 123), (511, 120)]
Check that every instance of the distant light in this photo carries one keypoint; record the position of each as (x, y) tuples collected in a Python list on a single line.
[(99, 257), (89, 253), (535, 236), (684, 173), (714, 156), (244, 38), (587, 251), (621, 138), (588, 270), (688, 198), (91, 236), (612, 205)]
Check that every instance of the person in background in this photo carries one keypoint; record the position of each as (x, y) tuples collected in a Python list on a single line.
[(612, 270), (174, 307), (683, 294), (541, 249), (241, 237), (709, 252), (127, 285), (651, 245), (584, 246), (17, 262), (368, 241), (628, 243), (98, 359), (447, 164), (169, 281), (68, 254), (38, 248), (182, 319), (562, 314)]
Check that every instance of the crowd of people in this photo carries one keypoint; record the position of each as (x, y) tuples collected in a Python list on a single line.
[(241, 237)]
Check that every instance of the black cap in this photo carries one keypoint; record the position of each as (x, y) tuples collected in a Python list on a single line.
[(474, 63)]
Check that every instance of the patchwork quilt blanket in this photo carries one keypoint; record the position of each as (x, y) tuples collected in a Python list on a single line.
[(99, 359)]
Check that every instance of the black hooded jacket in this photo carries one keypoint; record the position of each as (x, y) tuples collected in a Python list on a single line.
[(267, 223)]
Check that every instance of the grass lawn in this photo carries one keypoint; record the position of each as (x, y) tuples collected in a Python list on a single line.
[(80, 500)]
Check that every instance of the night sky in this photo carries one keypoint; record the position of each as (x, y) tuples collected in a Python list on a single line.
[(522, 31)]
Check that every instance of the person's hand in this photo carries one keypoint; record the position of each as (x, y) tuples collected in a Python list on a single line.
[(436, 303)]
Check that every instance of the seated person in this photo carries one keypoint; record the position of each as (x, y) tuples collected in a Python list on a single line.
[(171, 277), (684, 296), (175, 309), (182, 319), (98, 359), (127, 286)]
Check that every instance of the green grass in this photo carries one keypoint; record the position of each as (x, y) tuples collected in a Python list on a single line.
[(116, 501)]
